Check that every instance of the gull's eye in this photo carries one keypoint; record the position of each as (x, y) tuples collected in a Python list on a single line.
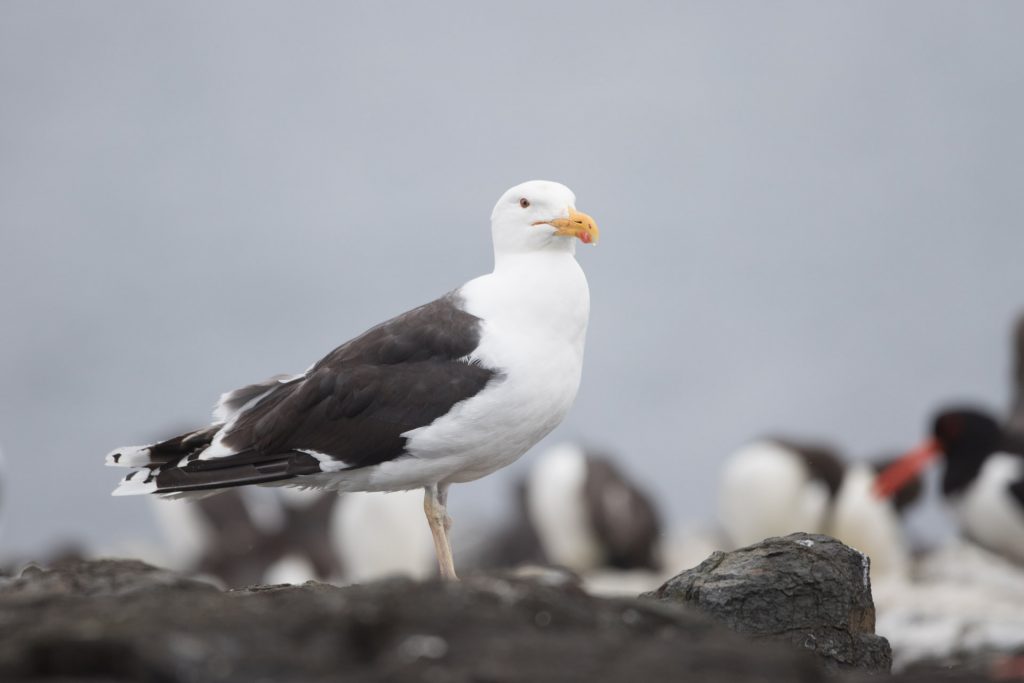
[(524, 202)]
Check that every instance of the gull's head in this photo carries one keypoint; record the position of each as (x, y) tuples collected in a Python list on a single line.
[(540, 215)]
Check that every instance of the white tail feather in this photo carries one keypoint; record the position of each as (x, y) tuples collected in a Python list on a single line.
[(135, 484)]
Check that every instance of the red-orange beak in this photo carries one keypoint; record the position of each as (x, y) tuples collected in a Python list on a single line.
[(902, 472)]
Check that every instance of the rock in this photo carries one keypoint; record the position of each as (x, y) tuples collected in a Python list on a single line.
[(807, 589), (124, 620), (94, 578)]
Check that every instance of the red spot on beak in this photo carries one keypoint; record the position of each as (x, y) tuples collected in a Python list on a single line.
[(585, 237)]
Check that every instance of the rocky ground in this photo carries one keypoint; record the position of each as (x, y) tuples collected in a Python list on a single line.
[(801, 605)]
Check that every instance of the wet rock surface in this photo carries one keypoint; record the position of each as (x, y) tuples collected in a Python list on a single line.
[(805, 589)]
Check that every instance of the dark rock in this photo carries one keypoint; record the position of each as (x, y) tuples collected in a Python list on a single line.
[(810, 590), (124, 620), (94, 578)]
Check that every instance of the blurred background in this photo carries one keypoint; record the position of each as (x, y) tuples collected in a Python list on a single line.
[(810, 212)]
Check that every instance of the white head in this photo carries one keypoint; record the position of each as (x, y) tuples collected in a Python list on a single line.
[(539, 215)]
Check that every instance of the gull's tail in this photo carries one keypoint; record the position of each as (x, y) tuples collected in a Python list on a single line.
[(146, 461)]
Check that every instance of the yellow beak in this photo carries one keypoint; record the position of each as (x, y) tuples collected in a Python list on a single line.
[(578, 224)]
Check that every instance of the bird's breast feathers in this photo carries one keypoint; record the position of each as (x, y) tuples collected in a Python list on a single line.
[(535, 344)]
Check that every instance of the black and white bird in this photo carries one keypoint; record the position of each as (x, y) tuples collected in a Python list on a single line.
[(983, 478), (446, 393), (774, 487), (578, 510)]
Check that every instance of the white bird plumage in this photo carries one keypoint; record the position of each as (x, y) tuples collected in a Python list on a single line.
[(531, 314)]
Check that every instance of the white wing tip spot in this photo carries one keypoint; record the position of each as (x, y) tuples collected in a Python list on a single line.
[(129, 456)]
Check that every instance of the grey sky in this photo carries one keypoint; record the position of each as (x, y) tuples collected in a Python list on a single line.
[(810, 213)]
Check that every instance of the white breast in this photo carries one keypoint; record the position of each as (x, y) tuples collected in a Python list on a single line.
[(534, 311), (989, 513)]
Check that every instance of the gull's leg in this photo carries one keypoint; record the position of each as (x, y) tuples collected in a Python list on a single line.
[(442, 497), (435, 498)]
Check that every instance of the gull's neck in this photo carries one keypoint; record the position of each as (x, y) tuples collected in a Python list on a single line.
[(539, 290), (557, 255)]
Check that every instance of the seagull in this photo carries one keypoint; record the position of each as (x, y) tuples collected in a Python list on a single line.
[(445, 393)]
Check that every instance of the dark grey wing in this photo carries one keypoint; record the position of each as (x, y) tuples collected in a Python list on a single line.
[(623, 517), (352, 406), (357, 401)]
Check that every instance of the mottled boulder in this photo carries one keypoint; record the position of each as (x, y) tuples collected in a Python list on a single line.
[(810, 590), (126, 621)]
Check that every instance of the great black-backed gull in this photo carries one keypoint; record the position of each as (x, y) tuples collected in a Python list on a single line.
[(983, 478), (446, 393)]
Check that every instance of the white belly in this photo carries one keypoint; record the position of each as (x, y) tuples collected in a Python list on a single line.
[(987, 510), (535, 321), (495, 427)]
